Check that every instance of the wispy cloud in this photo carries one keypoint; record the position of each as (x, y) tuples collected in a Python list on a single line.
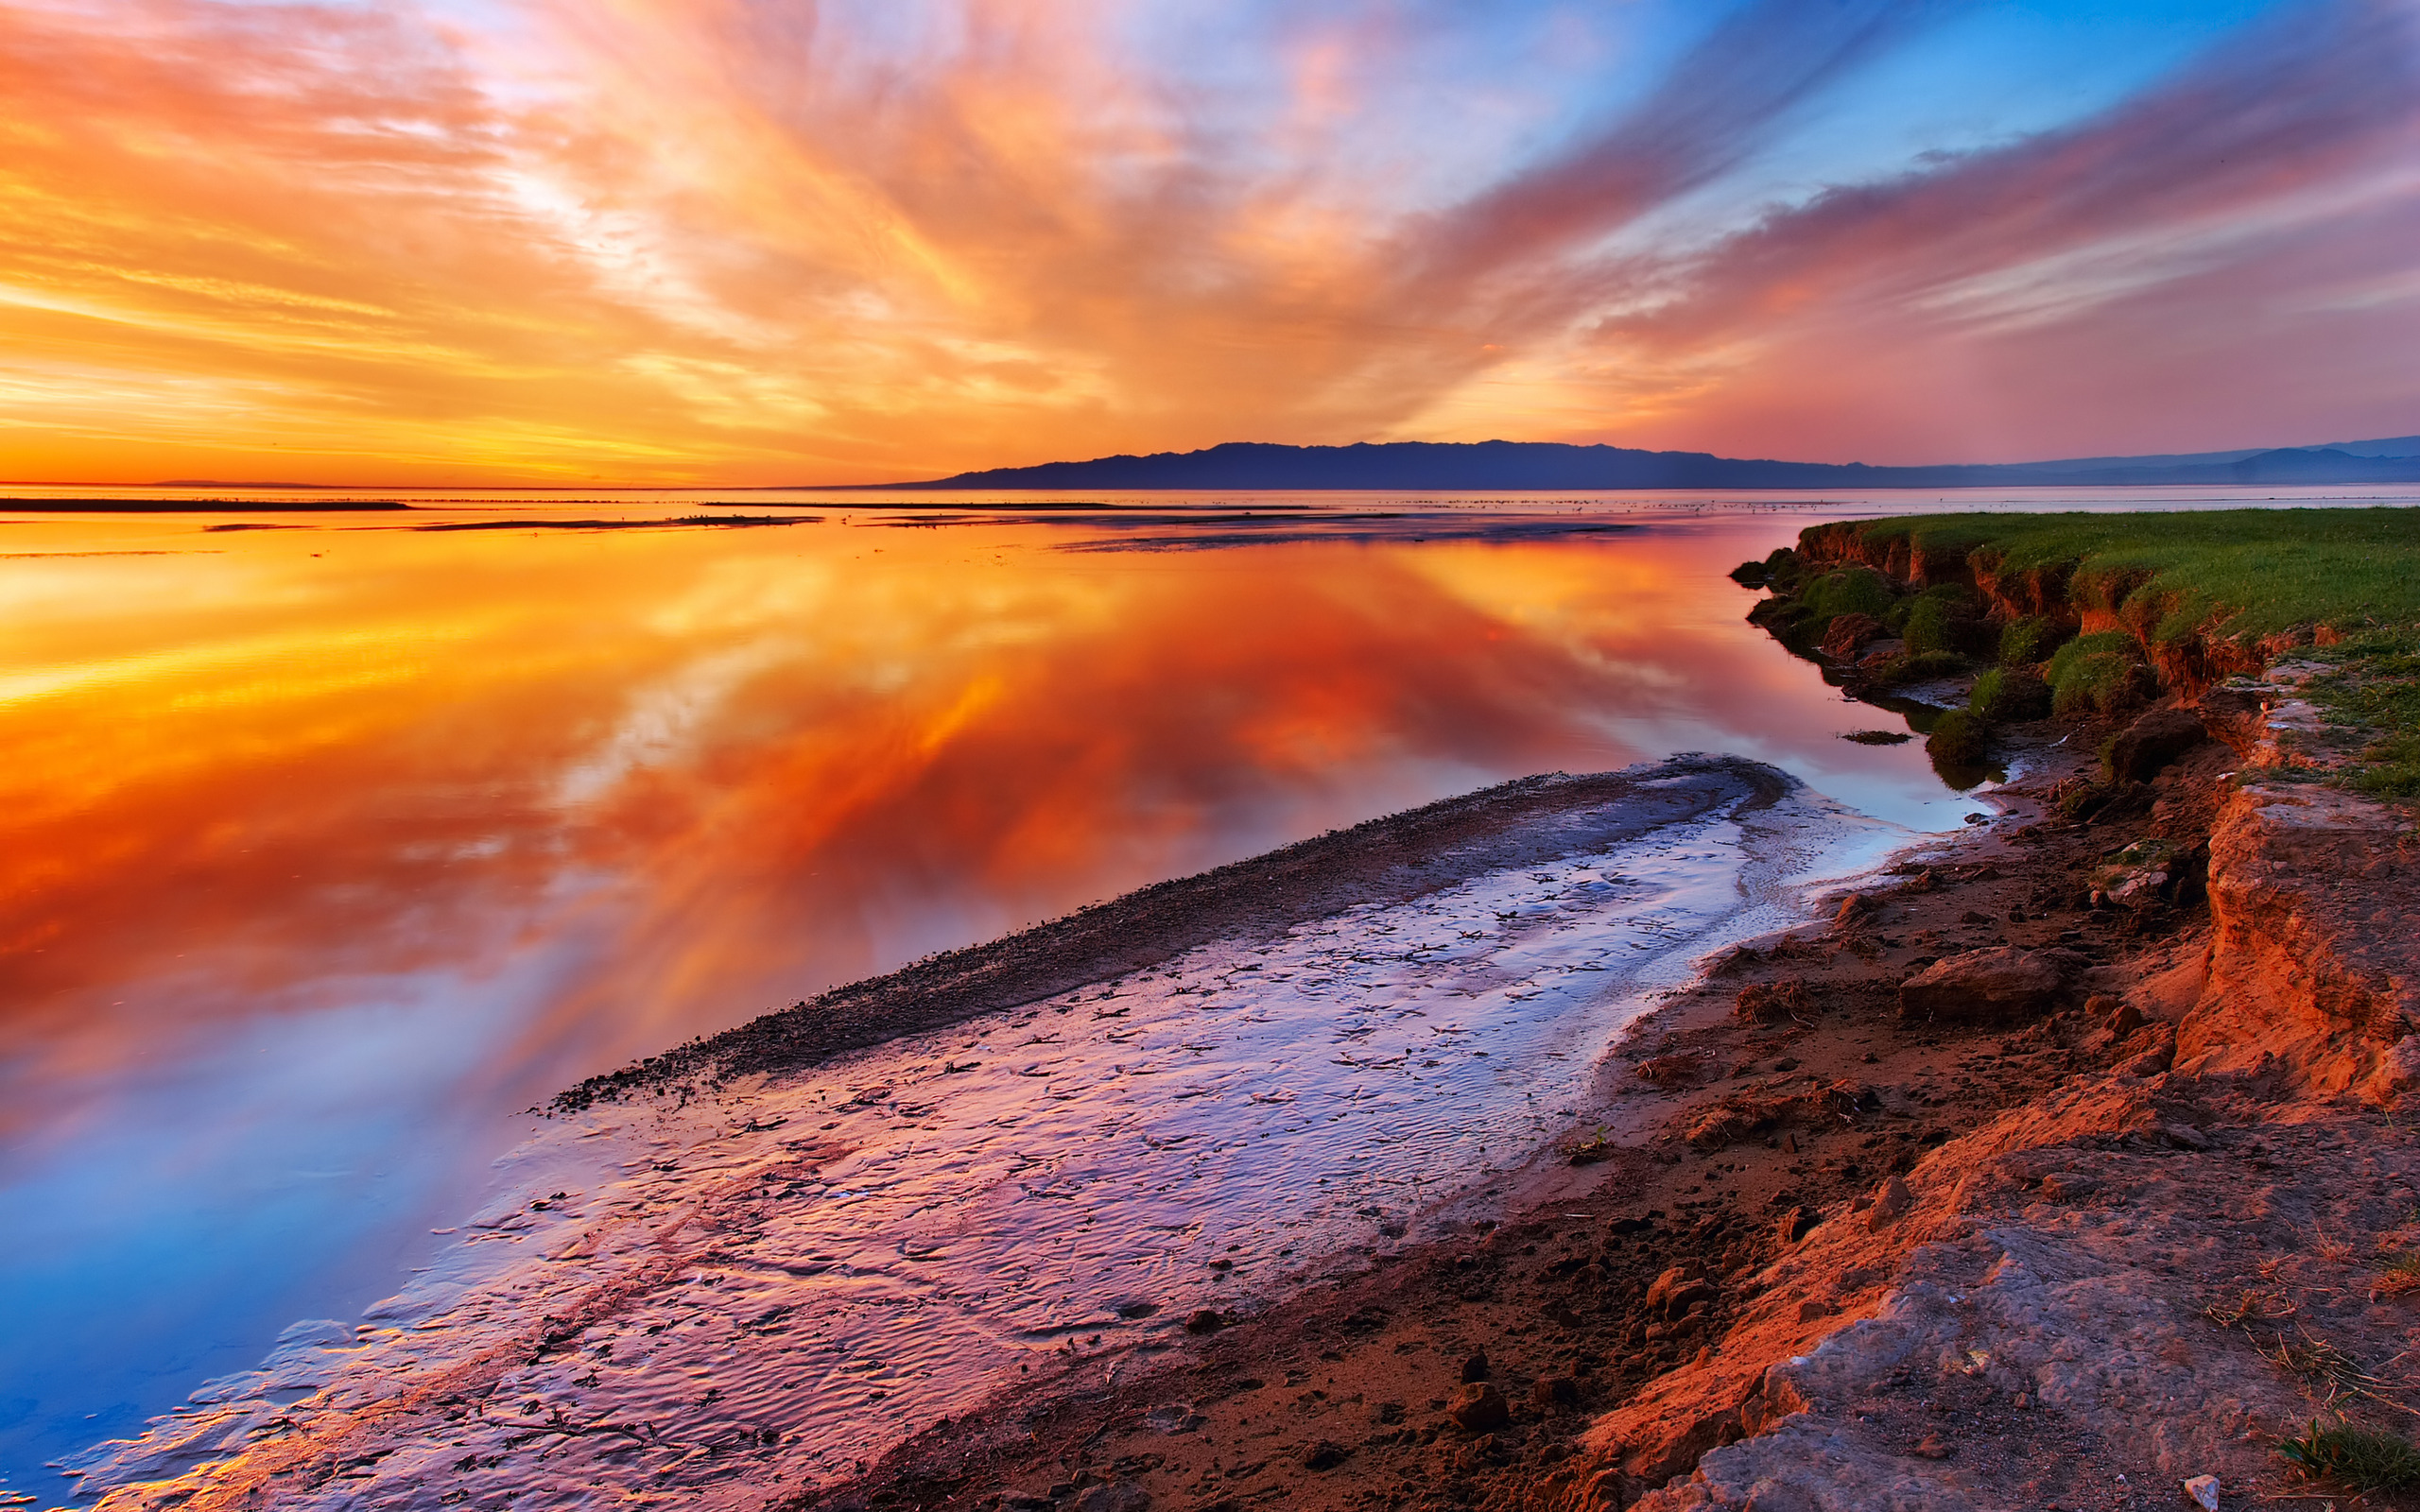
[(709, 238)]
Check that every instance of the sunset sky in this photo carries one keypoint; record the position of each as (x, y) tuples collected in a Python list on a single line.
[(766, 241)]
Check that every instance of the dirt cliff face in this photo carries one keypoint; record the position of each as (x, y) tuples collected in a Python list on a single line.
[(2313, 966)]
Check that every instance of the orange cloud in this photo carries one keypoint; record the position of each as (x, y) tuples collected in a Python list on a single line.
[(703, 240)]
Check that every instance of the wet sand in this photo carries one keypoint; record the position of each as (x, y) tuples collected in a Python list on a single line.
[(752, 1267)]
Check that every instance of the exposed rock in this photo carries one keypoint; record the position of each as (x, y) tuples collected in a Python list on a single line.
[(1326, 1454), (2308, 973), (1555, 1391), (2152, 742), (1480, 1408), (1114, 1496), (1475, 1368), (1892, 1200), (1676, 1291), (2000, 984)]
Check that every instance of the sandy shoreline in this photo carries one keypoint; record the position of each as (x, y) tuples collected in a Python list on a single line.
[(1300, 1060), (1385, 860)]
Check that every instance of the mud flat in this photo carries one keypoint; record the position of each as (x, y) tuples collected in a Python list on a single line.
[(747, 1270)]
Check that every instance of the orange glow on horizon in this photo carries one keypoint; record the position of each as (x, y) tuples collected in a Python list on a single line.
[(695, 242)]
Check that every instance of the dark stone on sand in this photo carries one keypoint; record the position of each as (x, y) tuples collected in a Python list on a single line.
[(1479, 1409), (1555, 1391), (1114, 1496), (1675, 1292), (1204, 1321), (1475, 1368), (1325, 1455), (2001, 985)]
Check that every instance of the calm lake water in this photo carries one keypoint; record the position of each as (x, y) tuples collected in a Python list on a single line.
[(334, 844)]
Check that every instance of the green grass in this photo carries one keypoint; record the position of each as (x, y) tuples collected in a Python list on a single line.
[(1957, 738), (2376, 688), (1849, 591), (2005, 694), (2358, 1459), (2029, 641), (2093, 674), (2167, 576), (2235, 572)]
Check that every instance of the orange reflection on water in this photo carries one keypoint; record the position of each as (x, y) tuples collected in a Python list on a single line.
[(750, 765), (328, 847)]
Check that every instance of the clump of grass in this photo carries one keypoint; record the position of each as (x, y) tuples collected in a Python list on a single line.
[(2004, 694), (2398, 1277), (2359, 1459), (2249, 1307), (1959, 738), (2239, 574), (1848, 590), (2029, 642), (2315, 1360), (1922, 666), (1946, 617), (2093, 674), (1878, 737)]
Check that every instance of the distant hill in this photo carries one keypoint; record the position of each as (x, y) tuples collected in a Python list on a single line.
[(1553, 466)]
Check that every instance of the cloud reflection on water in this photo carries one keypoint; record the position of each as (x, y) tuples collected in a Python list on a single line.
[(319, 864)]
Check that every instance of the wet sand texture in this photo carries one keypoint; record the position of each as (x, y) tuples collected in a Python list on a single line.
[(1179, 1104), (1530, 821)]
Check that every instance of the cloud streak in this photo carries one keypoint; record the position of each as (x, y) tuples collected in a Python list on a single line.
[(712, 240)]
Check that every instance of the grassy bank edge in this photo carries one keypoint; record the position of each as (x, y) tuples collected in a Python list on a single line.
[(2083, 614)]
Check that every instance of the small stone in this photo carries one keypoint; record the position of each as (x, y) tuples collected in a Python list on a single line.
[(1115, 1496), (1480, 1408), (1324, 1455), (1204, 1321), (1933, 1447), (1475, 1368), (2000, 984), (2203, 1489), (2068, 1186), (1676, 1291), (1798, 1222), (1555, 1391), (1892, 1200)]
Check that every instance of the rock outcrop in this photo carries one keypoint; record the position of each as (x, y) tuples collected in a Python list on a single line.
[(2001, 985)]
